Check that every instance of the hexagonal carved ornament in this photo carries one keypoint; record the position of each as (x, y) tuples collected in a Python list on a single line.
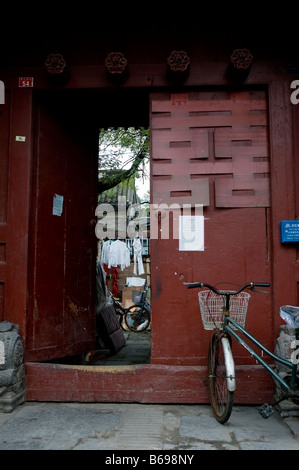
[(178, 66), (57, 69), (55, 64), (241, 59), (239, 65), (116, 66)]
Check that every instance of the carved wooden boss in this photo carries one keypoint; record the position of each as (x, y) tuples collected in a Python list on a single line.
[(57, 69)]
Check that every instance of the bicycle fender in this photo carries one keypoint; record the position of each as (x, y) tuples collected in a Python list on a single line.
[(229, 365)]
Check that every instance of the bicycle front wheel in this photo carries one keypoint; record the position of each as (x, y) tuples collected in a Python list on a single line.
[(221, 398), (137, 318), (120, 313)]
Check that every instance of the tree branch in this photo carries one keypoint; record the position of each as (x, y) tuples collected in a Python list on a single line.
[(112, 178)]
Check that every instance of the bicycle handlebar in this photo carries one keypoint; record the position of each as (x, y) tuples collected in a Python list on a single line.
[(252, 285)]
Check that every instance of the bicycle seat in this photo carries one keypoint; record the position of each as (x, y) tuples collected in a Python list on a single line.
[(290, 315)]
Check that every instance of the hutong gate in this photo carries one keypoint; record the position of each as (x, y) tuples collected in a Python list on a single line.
[(224, 137)]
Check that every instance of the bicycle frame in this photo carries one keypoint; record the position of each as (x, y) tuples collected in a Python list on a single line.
[(144, 303), (293, 366), (221, 367)]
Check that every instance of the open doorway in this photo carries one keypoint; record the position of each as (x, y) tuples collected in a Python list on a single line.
[(63, 246), (123, 257)]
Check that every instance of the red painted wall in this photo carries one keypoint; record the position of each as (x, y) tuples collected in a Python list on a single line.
[(14, 227)]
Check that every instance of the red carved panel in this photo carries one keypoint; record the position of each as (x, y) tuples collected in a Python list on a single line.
[(193, 139)]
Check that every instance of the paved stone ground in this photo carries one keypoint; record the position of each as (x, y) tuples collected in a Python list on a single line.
[(137, 350), (180, 429), (111, 426)]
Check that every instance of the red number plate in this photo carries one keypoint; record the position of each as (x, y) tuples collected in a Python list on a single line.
[(25, 82)]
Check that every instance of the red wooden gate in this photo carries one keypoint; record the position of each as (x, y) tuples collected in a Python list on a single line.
[(210, 149), (61, 319), (207, 148)]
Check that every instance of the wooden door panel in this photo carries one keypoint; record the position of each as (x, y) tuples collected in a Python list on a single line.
[(61, 317), (209, 149)]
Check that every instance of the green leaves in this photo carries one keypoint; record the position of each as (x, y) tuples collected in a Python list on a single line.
[(122, 153), (118, 147)]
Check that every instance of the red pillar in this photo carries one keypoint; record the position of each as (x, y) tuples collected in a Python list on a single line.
[(18, 207)]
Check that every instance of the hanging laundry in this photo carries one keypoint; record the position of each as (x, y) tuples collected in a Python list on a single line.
[(105, 250), (119, 255), (137, 249), (115, 291)]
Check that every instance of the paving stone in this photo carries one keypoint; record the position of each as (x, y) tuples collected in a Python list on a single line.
[(131, 426)]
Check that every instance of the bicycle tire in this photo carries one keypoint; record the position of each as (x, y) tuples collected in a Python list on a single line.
[(120, 313), (221, 398), (136, 320)]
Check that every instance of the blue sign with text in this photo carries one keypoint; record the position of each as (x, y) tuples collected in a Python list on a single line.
[(289, 231)]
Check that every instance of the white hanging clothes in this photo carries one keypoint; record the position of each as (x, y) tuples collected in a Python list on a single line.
[(105, 252), (137, 248), (119, 255)]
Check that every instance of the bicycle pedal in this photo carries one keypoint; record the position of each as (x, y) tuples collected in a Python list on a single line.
[(265, 410)]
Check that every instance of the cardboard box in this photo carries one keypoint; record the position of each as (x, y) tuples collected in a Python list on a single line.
[(127, 295)]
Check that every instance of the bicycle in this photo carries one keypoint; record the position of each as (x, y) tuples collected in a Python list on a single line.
[(137, 317), (119, 310), (225, 312)]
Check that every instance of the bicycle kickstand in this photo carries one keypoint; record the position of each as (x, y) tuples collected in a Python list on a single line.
[(266, 410)]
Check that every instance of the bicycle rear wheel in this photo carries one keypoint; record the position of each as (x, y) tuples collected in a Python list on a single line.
[(221, 398), (137, 319)]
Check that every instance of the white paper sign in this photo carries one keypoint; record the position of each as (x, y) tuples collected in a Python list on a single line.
[(191, 234), (57, 205)]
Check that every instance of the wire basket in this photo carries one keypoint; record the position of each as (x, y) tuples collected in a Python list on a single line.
[(137, 296), (212, 308)]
